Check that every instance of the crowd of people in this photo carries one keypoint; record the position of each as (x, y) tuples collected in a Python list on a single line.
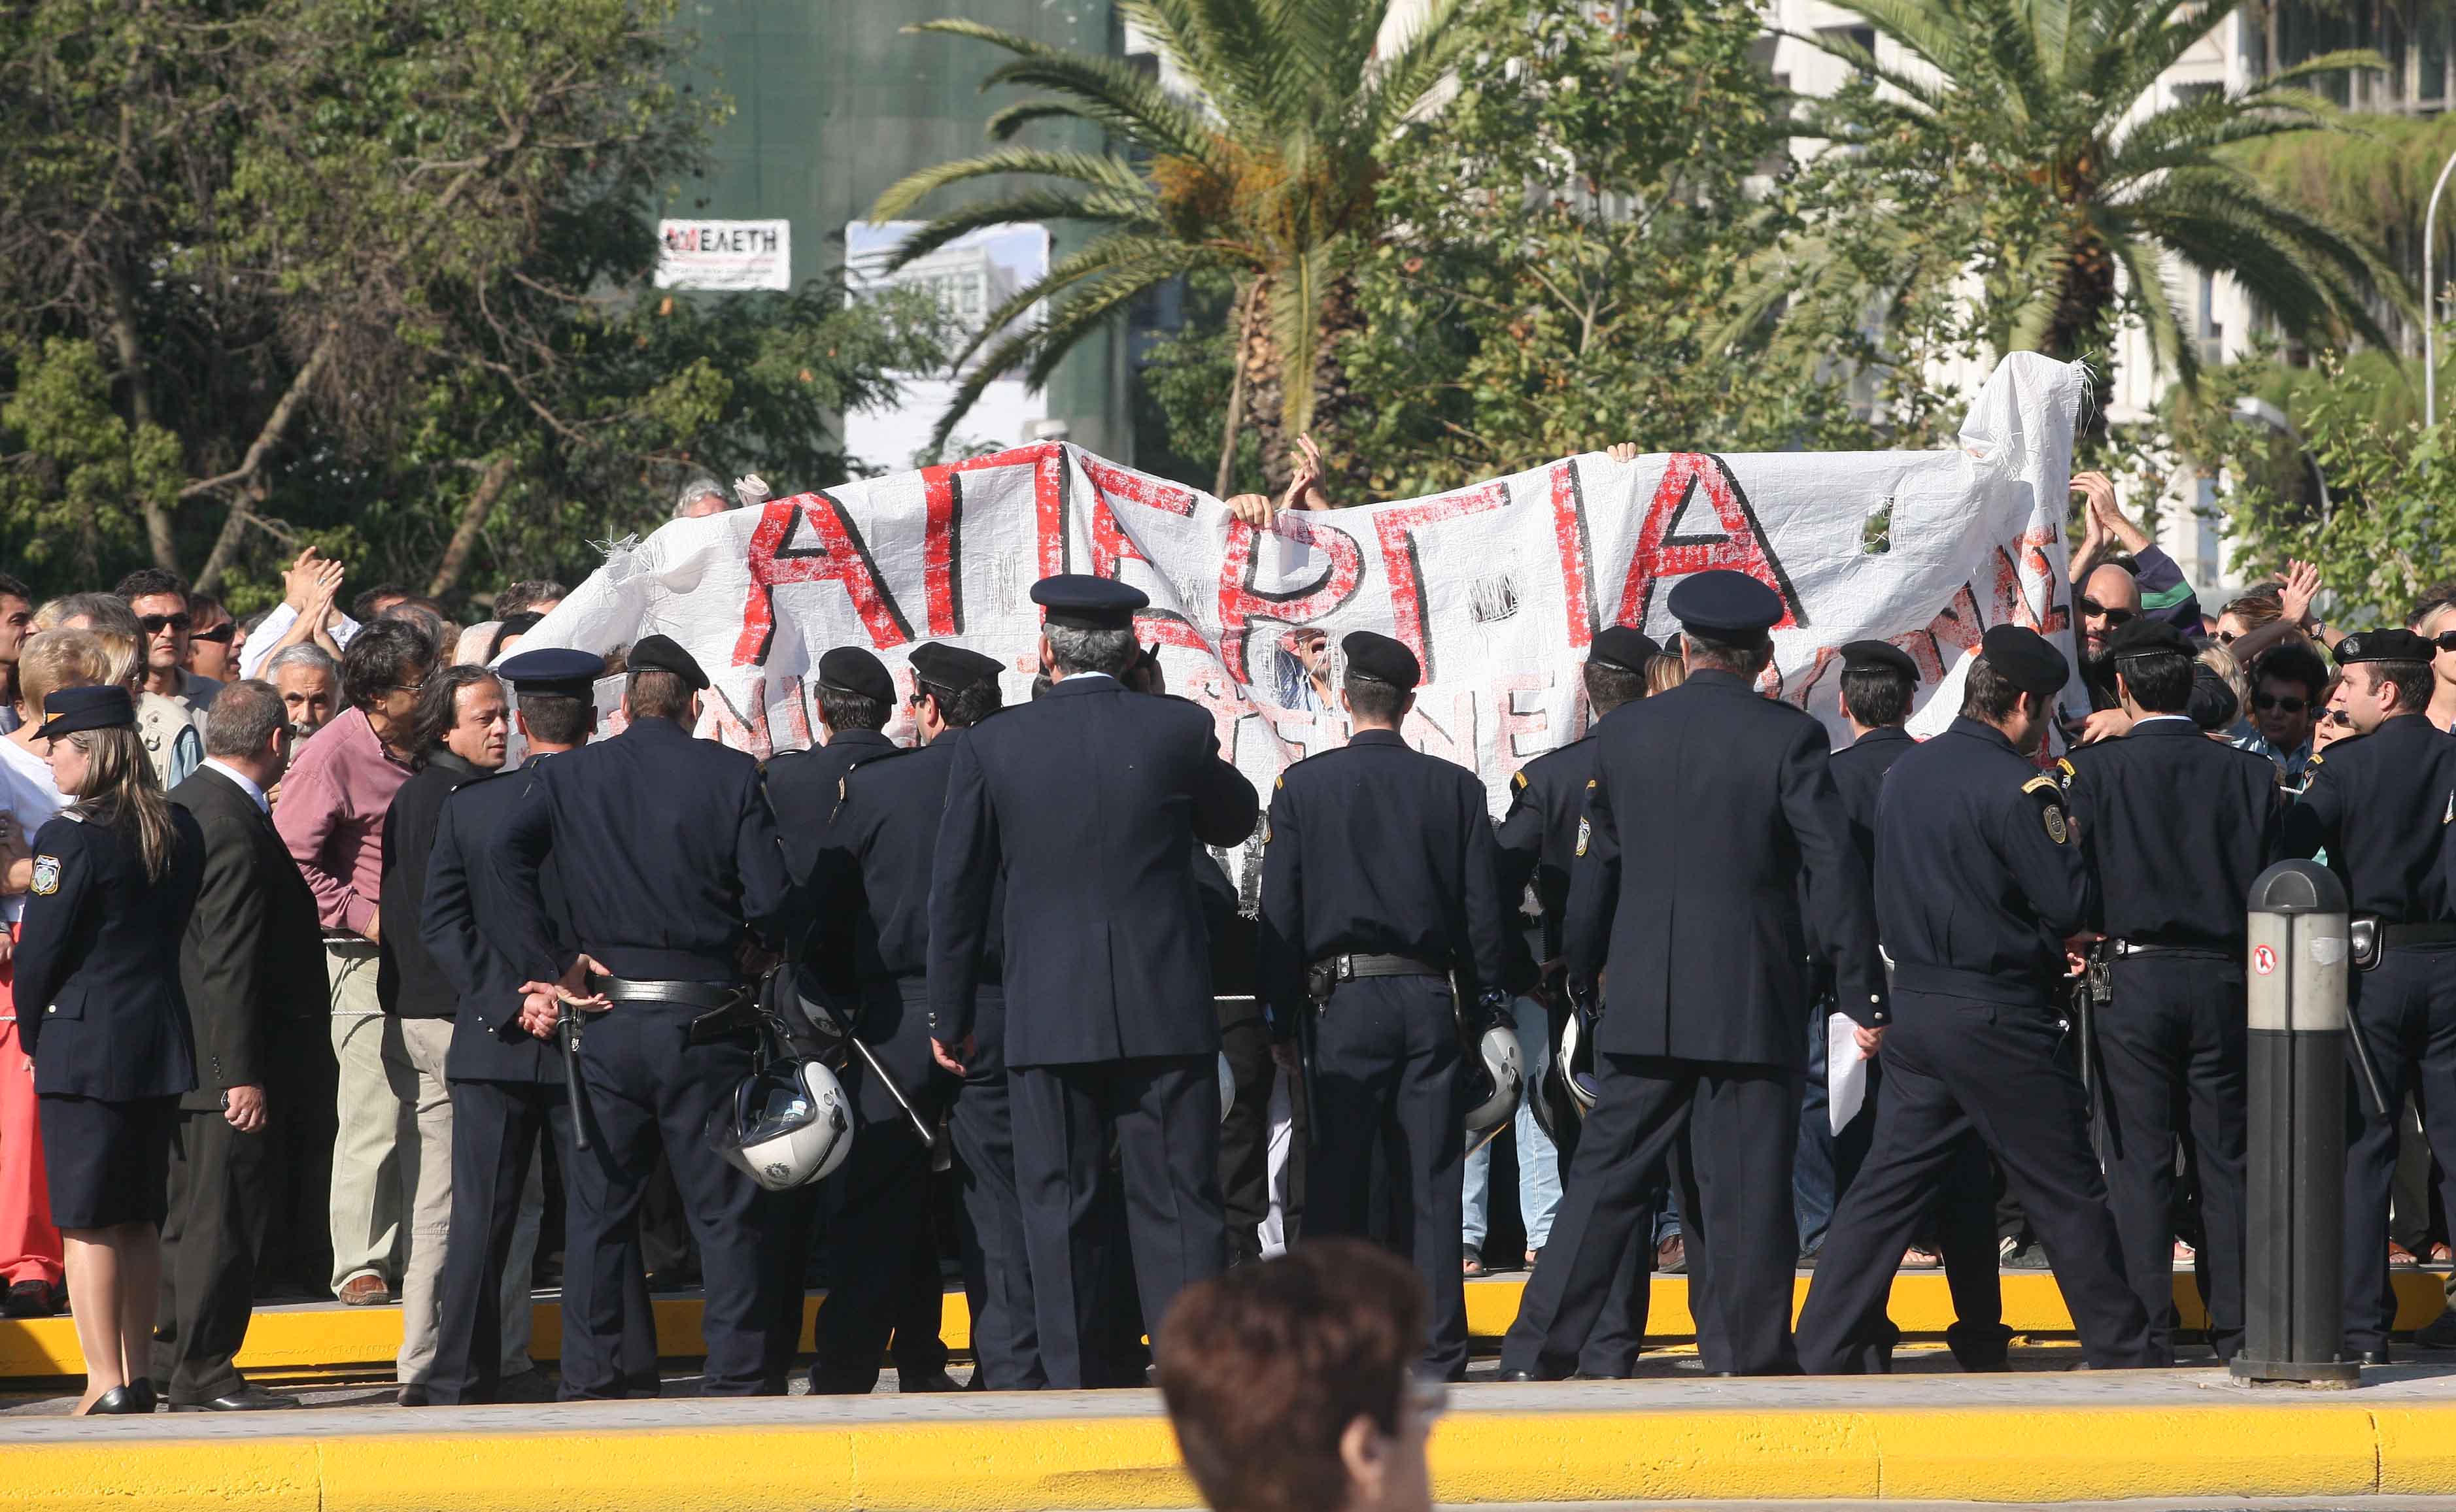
[(318, 990)]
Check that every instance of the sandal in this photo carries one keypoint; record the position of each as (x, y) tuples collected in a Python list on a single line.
[(1472, 1266)]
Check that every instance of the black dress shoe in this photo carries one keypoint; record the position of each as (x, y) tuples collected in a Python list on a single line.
[(29, 1299), (529, 1385), (413, 1395), (142, 1392), (248, 1398), (1518, 1375), (935, 1380), (121, 1401)]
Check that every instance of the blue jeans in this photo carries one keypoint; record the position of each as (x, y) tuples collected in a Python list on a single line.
[(1826, 1162), (1539, 1164)]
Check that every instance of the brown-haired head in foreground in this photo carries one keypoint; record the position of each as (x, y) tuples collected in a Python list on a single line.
[(1266, 1367)]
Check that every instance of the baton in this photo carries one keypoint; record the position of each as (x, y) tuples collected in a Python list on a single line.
[(929, 1139), (2362, 1060), (1308, 1031), (567, 1030)]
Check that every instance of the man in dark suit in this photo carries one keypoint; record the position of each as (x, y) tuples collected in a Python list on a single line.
[(1694, 906), (508, 1084), (252, 956), (1090, 803)]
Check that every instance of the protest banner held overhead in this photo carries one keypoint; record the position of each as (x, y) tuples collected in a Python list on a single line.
[(1498, 588)]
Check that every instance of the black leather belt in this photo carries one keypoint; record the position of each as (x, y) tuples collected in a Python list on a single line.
[(726, 1008), (1355, 968), (2396, 934), (2206, 952)]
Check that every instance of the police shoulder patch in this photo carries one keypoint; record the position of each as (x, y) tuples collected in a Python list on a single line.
[(2063, 765), (2051, 809), (46, 876), (1591, 785), (1518, 778), (1586, 831)]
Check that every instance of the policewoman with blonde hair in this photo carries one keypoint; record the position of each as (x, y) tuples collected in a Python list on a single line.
[(100, 1009)]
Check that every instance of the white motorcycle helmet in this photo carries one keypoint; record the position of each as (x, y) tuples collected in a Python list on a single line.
[(1227, 1086), (1495, 1078), (1577, 1062), (788, 1124)]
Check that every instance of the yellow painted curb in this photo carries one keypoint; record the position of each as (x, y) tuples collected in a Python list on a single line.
[(290, 1341), (1060, 1465)]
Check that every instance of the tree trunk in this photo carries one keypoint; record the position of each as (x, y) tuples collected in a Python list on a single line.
[(1347, 480), (473, 520), (127, 345), (247, 474), (1236, 389), (2081, 327)]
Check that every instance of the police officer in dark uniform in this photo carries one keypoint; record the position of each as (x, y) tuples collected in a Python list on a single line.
[(670, 867), (1538, 841), (1090, 803), (1980, 881), (2176, 828), (2379, 804), (1880, 684), (885, 1275), (1707, 801), (1381, 886), (509, 1084)]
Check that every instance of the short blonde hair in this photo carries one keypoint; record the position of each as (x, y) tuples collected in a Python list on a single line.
[(2225, 665), (57, 659), (1664, 672)]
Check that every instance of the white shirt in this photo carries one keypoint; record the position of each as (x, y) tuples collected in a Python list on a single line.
[(27, 793), (258, 649), (246, 784), (1071, 676)]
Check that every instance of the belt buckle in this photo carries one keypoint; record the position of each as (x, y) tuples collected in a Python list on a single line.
[(1347, 968)]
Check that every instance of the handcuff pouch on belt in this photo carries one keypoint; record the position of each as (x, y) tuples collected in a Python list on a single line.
[(2364, 934), (2099, 973)]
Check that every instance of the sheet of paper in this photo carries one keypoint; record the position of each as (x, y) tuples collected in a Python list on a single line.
[(1846, 1071)]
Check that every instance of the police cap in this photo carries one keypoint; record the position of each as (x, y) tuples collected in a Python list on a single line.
[(1086, 602), (952, 668), (850, 669), (1625, 648), (2212, 704), (1382, 659), (2145, 636), (2025, 659), (70, 710), (2383, 645), (659, 653), (1724, 605), (553, 670), (1879, 656)]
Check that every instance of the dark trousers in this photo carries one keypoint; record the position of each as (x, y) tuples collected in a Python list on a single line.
[(1953, 1068), (2404, 1009), (1611, 1350), (2171, 1051), (997, 1271), (1163, 1113), (1245, 1135), (1386, 1077), (1728, 1132), (885, 1284), (649, 1087), (496, 1127), (304, 1121), (222, 1186)]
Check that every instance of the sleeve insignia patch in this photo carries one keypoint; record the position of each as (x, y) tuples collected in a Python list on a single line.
[(2057, 829), (2063, 765), (1591, 785), (1586, 831), (1518, 780), (46, 876), (2051, 811)]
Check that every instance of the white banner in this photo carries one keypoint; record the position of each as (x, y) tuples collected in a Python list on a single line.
[(1499, 588), (724, 255)]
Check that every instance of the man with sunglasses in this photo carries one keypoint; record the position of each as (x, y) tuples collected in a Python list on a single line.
[(2288, 685), (178, 697)]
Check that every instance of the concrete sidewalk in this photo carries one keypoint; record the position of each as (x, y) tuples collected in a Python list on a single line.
[(2169, 1434)]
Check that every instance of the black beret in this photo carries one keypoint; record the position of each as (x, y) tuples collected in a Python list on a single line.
[(1725, 604), (70, 710), (1625, 648), (659, 653), (2212, 704), (552, 671), (2026, 660), (951, 667), (850, 669), (1879, 656), (2147, 637), (1382, 659), (1087, 603), (2383, 645)]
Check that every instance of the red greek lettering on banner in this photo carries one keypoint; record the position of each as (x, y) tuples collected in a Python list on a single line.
[(1112, 545), (942, 540), (1741, 548), (1242, 602), (2026, 582), (1569, 536), (1396, 531), (808, 538)]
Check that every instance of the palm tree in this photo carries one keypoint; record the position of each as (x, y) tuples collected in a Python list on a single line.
[(2041, 111), (1268, 171)]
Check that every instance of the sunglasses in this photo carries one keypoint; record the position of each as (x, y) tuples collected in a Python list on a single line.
[(2112, 617), (2263, 703), (223, 631), (2444, 640), (156, 623), (2337, 716)]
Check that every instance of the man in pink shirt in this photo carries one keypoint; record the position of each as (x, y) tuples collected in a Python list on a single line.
[(330, 816)]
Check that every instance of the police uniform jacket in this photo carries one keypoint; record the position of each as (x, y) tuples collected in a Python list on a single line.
[(2379, 804), (667, 847), (1539, 835), (1088, 804), (99, 1005), (467, 929), (1380, 849), (2175, 827), (251, 964), (1859, 771), (876, 855), (1707, 800), (1979, 876), (808, 790)]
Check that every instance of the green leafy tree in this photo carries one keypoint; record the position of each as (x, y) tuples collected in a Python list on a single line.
[(2005, 147), (1267, 172)]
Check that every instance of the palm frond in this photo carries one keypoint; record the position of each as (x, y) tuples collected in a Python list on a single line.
[(1110, 91), (1091, 169)]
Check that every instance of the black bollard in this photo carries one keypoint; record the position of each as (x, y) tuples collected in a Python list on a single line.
[(2294, 1288)]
